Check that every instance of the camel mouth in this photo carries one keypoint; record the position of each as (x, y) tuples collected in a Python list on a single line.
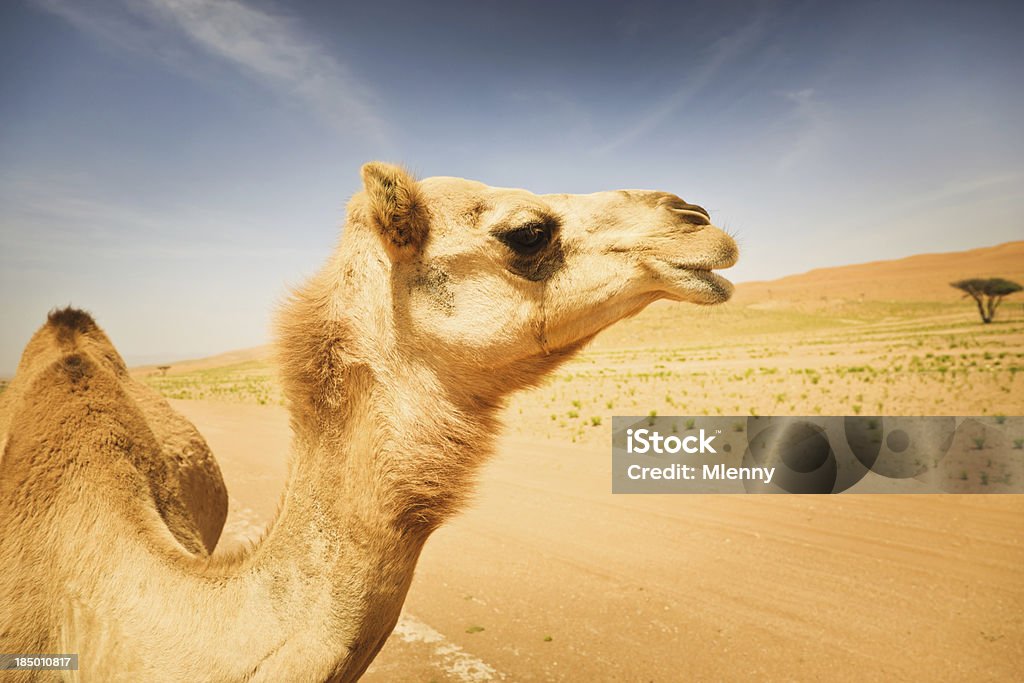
[(711, 276), (695, 283)]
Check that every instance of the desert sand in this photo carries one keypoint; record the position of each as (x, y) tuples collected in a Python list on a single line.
[(551, 577), (669, 588)]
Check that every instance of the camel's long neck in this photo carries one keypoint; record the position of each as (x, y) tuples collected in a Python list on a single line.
[(381, 458), (338, 555)]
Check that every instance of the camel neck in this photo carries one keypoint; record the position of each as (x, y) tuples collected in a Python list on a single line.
[(382, 455), (369, 482)]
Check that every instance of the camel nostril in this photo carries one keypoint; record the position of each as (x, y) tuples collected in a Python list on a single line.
[(691, 213), (694, 217), (698, 209)]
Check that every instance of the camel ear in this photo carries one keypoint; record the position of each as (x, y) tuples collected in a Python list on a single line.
[(396, 208)]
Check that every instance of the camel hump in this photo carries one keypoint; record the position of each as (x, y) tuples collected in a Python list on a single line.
[(75, 367)]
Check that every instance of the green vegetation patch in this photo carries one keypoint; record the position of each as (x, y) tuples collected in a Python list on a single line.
[(248, 382)]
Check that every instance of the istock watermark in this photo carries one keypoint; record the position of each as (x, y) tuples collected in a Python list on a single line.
[(856, 454), (649, 441)]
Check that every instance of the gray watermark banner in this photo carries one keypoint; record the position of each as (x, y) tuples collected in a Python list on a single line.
[(852, 454)]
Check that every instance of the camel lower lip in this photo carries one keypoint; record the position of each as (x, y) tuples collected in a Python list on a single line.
[(709, 276), (698, 285)]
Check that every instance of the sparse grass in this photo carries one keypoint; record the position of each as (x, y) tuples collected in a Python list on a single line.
[(876, 357), (249, 382)]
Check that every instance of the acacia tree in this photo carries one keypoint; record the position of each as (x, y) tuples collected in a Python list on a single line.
[(988, 293)]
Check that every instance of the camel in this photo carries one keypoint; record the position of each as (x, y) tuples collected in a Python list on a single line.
[(443, 297), (186, 481)]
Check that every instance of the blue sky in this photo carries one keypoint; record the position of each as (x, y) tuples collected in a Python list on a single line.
[(172, 165)]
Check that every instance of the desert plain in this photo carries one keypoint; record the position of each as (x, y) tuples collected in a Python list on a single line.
[(548, 576)]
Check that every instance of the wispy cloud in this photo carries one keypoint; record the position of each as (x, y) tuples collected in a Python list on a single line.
[(54, 217), (721, 54), (813, 128), (266, 47), (961, 191)]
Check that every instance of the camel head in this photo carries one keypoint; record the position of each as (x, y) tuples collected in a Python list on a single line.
[(498, 277), (498, 285)]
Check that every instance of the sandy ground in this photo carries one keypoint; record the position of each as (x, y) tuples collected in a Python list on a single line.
[(568, 582)]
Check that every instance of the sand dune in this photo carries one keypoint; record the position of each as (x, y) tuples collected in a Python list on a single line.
[(228, 358), (923, 277)]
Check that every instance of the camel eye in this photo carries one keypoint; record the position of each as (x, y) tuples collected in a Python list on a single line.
[(528, 239)]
